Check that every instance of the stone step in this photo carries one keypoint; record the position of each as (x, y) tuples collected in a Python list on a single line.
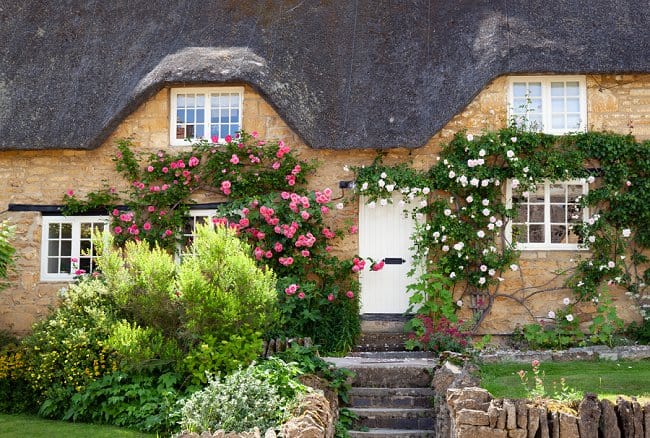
[(383, 323), (391, 397), (393, 354), (387, 373), (387, 433), (381, 341), (391, 418)]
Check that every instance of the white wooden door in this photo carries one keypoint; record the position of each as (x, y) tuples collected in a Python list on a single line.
[(385, 233)]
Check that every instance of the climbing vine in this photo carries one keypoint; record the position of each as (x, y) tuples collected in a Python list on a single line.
[(265, 201), (463, 196)]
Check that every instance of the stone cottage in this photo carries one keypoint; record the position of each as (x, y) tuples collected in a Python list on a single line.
[(335, 80)]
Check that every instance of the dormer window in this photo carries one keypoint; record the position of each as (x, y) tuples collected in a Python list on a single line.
[(205, 113), (550, 104)]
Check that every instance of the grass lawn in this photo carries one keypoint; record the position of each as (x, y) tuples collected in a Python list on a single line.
[(608, 379), (35, 427)]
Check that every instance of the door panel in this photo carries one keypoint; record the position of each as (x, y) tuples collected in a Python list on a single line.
[(384, 232)]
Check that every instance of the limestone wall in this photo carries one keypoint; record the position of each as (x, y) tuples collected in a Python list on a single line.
[(617, 103), (474, 413)]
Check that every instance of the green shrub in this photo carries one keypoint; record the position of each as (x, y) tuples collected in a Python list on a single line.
[(211, 356), (221, 290), (639, 332), (261, 395), (137, 348), (137, 401), (142, 281), (67, 350)]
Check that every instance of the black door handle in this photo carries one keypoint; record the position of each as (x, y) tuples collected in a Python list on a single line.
[(394, 260)]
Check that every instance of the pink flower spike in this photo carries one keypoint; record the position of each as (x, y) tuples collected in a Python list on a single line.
[(151, 209), (193, 162), (146, 226), (168, 232), (349, 294), (150, 169), (215, 139), (117, 230), (330, 297), (301, 295)]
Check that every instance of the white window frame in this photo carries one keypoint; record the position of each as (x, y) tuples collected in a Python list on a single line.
[(547, 245), (207, 91), (545, 82), (75, 242)]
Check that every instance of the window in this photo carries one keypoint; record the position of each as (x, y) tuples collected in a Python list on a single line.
[(205, 113), (196, 217), (544, 218), (66, 245), (551, 104)]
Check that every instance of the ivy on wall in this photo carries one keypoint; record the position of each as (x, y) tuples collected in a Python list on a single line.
[(464, 240)]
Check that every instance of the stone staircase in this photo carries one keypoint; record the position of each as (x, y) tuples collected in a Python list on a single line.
[(391, 392)]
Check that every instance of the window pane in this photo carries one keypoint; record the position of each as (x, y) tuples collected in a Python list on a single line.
[(536, 234), (190, 131), (180, 116), (224, 116), (180, 132), (557, 193), (180, 101), (64, 265), (557, 122), (224, 100), (214, 130), (84, 247), (200, 116), (557, 105), (53, 231), (199, 131), (53, 248), (200, 100), (522, 214), (223, 131), (534, 89), (234, 100), (573, 88), (86, 230), (190, 116), (519, 106), (536, 213), (52, 265), (572, 237), (558, 234), (519, 89), (574, 192), (66, 248), (535, 105), (66, 231), (189, 100), (557, 88), (520, 233), (84, 263), (573, 105), (234, 116), (558, 213), (573, 121)]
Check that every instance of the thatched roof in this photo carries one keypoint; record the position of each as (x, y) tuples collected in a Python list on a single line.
[(343, 74)]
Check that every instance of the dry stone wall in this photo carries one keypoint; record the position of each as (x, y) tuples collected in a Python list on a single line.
[(619, 103), (474, 413), (463, 410)]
